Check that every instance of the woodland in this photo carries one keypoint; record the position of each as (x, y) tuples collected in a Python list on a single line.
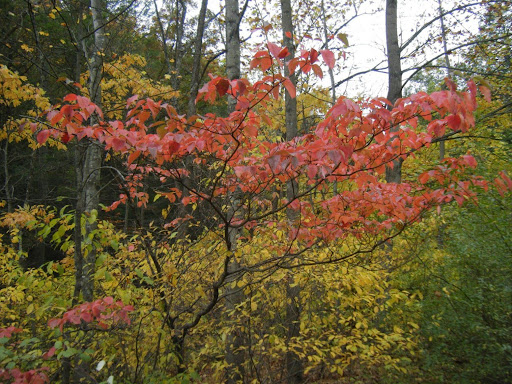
[(213, 192)]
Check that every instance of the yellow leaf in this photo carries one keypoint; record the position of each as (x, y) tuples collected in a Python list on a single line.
[(51, 15), (254, 306), (26, 48), (30, 309), (63, 41)]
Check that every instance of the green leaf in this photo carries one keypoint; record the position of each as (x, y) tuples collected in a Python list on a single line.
[(108, 276), (114, 244)]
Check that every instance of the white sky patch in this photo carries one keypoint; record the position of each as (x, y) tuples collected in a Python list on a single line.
[(367, 38)]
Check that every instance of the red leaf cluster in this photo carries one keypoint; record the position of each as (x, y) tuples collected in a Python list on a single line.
[(104, 312), (16, 376), (353, 144)]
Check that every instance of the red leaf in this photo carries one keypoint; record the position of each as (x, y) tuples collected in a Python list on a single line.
[(131, 100), (312, 171), (470, 161), (486, 92), (288, 34), (252, 130), (290, 88), (424, 177), (153, 107), (274, 49), (133, 156), (53, 323), (283, 53), (50, 353), (335, 156), (292, 65), (43, 136), (450, 84), (83, 102), (306, 68), (318, 71), (118, 144), (313, 56), (274, 162), (454, 121), (70, 97), (328, 57), (222, 87), (240, 87), (86, 316), (266, 63), (7, 332)]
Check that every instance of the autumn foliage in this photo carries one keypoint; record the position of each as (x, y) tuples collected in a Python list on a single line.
[(232, 169)]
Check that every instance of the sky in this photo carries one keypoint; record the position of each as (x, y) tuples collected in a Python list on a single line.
[(366, 35)]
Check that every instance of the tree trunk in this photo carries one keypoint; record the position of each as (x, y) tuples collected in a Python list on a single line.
[(448, 67), (234, 296), (294, 368), (196, 66), (394, 172), (88, 196), (331, 73), (232, 45), (163, 36), (7, 186), (181, 11)]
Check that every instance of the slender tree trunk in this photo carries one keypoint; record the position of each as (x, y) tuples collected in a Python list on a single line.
[(163, 37), (90, 194), (234, 296), (232, 45), (326, 45), (448, 67), (7, 186), (442, 148), (78, 163), (393, 173), (330, 72), (181, 12), (196, 66), (294, 368)]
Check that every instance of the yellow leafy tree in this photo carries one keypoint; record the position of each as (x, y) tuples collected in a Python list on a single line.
[(123, 78)]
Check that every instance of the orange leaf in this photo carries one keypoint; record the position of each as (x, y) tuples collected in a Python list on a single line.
[(133, 156), (290, 88), (318, 71)]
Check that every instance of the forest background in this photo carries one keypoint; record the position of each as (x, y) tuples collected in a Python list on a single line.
[(189, 195)]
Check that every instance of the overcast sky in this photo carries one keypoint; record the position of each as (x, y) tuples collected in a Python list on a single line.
[(367, 40)]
